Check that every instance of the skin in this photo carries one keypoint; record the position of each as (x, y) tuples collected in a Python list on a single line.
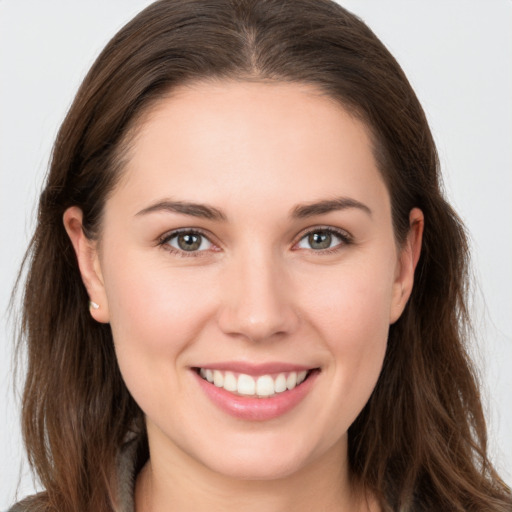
[(256, 291)]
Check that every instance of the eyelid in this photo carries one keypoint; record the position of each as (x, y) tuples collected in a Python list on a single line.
[(163, 240), (344, 235)]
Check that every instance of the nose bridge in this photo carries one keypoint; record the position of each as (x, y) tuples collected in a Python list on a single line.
[(257, 300)]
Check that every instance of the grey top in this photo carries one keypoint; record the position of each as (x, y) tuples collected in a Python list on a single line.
[(126, 476), (126, 479)]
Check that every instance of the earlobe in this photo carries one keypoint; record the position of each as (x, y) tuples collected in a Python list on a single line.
[(88, 263), (408, 260)]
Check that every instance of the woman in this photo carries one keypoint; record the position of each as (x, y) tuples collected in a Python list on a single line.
[(245, 288)]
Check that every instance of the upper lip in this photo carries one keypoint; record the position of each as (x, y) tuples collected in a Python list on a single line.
[(255, 368)]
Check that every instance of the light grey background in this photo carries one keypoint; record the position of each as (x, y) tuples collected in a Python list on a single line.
[(458, 56)]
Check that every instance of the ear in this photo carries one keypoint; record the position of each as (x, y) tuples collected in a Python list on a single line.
[(88, 262), (406, 265)]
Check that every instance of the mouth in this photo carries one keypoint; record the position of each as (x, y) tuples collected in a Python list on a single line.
[(267, 385), (256, 392)]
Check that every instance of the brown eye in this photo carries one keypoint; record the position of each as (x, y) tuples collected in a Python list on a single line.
[(320, 240), (189, 241)]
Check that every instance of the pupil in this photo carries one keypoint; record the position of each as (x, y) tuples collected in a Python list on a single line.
[(189, 242), (320, 240)]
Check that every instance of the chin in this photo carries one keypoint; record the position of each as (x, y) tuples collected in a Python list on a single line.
[(255, 460), (257, 468)]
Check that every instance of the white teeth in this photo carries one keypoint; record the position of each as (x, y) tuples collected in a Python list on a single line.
[(218, 378), (291, 380), (300, 377), (280, 383), (262, 386), (246, 384), (265, 385), (230, 383)]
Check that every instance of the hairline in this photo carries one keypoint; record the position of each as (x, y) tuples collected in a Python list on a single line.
[(133, 129)]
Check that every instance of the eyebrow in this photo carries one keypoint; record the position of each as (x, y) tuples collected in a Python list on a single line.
[(327, 206), (300, 211), (186, 208)]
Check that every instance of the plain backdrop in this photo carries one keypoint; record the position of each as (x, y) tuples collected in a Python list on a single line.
[(456, 53)]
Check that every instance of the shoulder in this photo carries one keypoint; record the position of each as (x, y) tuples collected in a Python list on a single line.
[(30, 504), (127, 468)]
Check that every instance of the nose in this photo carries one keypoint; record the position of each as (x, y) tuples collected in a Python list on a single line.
[(257, 300)]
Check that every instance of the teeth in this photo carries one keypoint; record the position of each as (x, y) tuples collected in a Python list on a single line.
[(265, 386), (218, 378), (280, 384), (230, 383), (246, 385), (291, 380)]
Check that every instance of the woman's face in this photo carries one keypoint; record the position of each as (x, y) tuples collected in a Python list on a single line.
[(249, 241)]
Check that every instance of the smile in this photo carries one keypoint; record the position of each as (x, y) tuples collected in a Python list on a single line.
[(262, 386), (256, 393)]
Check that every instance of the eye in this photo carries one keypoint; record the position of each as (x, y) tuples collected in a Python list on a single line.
[(186, 241), (323, 239)]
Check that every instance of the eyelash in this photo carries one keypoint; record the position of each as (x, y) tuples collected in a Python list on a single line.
[(346, 239), (165, 239)]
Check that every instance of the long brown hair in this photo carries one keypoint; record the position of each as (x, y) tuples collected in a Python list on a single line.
[(420, 442)]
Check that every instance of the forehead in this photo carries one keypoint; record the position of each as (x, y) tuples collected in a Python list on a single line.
[(260, 141)]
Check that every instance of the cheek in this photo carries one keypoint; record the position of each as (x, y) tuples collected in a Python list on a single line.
[(352, 302), (155, 314), (352, 319), (152, 304)]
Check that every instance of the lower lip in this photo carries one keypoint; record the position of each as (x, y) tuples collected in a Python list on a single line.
[(257, 409)]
